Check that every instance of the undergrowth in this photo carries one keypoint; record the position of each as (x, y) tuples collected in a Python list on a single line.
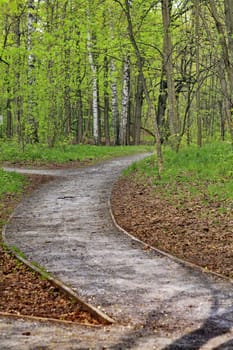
[(64, 153), (11, 183), (193, 171)]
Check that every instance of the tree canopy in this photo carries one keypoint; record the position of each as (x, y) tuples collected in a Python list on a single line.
[(116, 72)]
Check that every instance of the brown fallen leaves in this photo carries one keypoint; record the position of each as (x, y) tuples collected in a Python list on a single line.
[(189, 229)]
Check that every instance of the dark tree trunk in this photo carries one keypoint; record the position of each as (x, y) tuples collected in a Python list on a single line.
[(106, 102), (79, 124), (138, 108)]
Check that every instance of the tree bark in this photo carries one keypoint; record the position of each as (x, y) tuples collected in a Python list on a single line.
[(125, 101), (115, 111), (223, 42), (79, 123), (33, 125), (106, 101), (79, 102), (227, 86), (9, 130), (173, 116), (17, 92), (197, 59), (151, 110), (226, 102), (95, 106), (161, 108), (138, 108), (67, 103)]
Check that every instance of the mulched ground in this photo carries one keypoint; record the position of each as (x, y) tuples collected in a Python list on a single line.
[(194, 230), (23, 292)]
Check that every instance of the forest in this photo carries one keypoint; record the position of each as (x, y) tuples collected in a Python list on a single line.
[(116, 72), (87, 81)]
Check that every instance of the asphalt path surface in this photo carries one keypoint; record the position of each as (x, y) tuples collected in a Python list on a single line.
[(157, 302)]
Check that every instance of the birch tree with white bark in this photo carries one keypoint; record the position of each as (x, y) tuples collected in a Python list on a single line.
[(94, 70), (124, 117)]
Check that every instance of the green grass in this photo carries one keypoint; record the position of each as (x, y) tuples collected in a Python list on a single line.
[(44, 274), (11, 183), (65, 153), (208, 170), (19, 252)]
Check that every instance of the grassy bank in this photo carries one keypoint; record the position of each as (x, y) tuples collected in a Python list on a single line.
[(11, 187), (188, 212), (11, 183), (204, 172), (39, 154)]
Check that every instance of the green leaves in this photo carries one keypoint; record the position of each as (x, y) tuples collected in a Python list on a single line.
[(62, 75)]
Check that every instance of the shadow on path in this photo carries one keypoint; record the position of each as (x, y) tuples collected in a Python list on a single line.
[(191, 341), (216, 325), (196, 339)]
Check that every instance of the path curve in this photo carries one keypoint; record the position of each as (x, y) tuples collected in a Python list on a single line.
[(157, 302)]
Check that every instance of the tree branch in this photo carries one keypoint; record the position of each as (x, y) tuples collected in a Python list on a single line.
[(3, 61)]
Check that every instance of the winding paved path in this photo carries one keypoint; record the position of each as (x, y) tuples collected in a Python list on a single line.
[(157, 302)]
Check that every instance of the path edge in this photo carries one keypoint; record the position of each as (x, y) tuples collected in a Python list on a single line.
[(182, 262), (95, 312)]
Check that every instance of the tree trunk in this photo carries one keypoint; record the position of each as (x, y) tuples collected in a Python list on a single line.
[(173, 116), (222, 41), (95, 106), (161, 109), (138, 108), (227, 88), (79, 123), (151, 109), (197, 58), (67, 103), (228, 6), (32, 123), (79, 103), (125, 101), (17, 93), (115, 111), (106, 102), (222, 118), (226, 104), (9, 130), (66, 91)]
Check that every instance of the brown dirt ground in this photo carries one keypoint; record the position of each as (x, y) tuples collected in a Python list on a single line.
[(23, 292), (191, 229)]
